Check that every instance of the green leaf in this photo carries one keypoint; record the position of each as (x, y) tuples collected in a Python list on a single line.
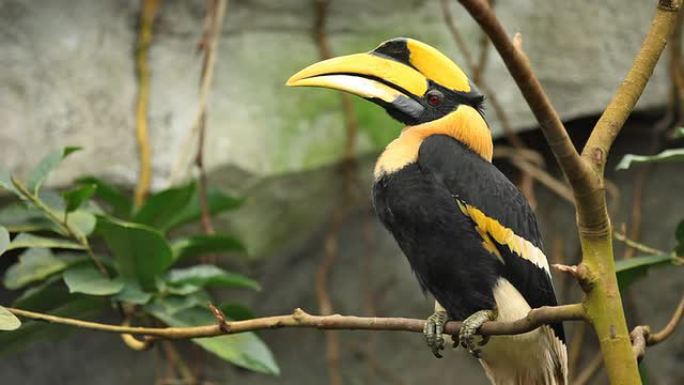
[(6, 181), (184, 289), (44, 296), (87, 279), (236, 311), (26, 240), (34, 265), (132, 293), (160, 208), (245, 349), (38, 175), (171, 304), (644, 373), (76, 197), (679, 132), (209, 275), (673, 155), (8, 321), (679, 232), (679, 235), (205, 244), (142, 253), (629, 270), (82, 222), (4, 239), (19, 217), (120, 203), (217, 201)]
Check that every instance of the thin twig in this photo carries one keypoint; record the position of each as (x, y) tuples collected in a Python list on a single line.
[(520, 159), (63, 225), (636, 245), (618, 110), (642, 336), (213, 23), (147, 15), (331, 249), (475, 68), (386, 374), (177, 362), (526, 183), (301, 319), (216, 10), (590, 370), (556, 186), (325, 306), (368, 292), (663, 124), (208, 45), (585, 172), (519, 66), (666, 332), (575, 348), (484, 52)]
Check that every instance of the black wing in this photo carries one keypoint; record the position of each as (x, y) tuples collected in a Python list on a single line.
[(496, 206)]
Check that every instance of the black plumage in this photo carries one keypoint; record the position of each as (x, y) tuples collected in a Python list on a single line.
[(419, 204)]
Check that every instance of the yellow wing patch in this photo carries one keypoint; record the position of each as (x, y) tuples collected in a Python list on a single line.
[(492, 230)]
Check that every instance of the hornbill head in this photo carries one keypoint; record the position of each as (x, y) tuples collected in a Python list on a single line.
[(413, 81)]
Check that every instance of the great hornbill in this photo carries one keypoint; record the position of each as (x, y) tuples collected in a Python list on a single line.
[(469, 234)]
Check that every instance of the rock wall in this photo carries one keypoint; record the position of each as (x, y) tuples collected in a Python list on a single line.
[(68, 76)]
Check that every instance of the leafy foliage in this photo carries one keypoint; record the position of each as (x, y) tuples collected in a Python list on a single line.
[(88, 280), (8, 321), (57, 272), (244, 349), (34, 265), (77, 196), (673, 155), (141, 252), (630, 270)]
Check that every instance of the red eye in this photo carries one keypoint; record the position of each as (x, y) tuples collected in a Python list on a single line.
[(434, 98)]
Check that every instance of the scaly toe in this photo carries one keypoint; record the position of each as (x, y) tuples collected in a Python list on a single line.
[(434, 327), (469, 330)]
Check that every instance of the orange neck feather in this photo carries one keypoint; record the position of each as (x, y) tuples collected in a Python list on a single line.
[(464, 124)]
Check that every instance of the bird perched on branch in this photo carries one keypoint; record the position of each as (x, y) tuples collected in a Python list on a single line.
[(469, 234)]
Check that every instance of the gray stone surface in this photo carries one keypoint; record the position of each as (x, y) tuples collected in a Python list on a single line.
[(68, 76)]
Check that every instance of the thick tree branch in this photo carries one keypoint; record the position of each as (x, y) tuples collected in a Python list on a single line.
[(624, 100), (585, 173), (519, 66), (301, 319)]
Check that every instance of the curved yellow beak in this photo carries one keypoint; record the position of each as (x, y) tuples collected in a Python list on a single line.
[(396, 75)]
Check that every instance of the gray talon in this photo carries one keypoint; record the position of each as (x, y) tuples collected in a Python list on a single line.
[(469, 328), (434, 327)]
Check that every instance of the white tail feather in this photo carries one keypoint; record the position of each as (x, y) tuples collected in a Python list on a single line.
[(538, 357)]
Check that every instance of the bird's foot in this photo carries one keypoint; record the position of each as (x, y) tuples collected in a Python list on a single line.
[(434, 327), (469, 328)]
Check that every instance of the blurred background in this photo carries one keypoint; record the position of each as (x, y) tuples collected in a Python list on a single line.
[(152, 79)]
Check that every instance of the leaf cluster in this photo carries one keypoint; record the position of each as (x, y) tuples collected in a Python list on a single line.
[(89, 249)]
